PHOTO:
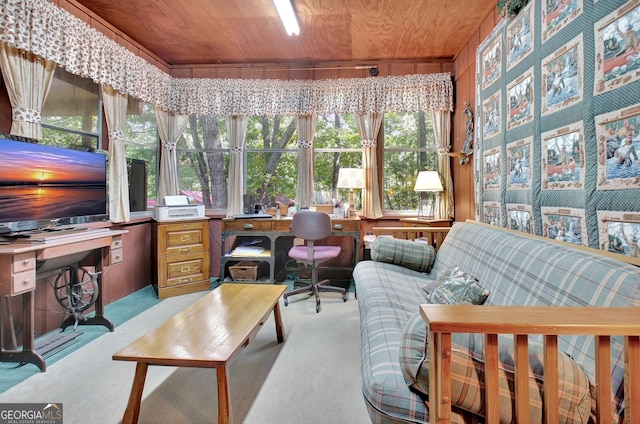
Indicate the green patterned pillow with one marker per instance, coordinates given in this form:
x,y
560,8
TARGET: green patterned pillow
x,y
456,287
406,253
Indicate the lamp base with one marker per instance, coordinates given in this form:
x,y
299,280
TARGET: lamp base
x,y
425,209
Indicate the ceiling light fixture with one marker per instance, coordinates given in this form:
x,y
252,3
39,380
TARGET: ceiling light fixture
x,y
288,16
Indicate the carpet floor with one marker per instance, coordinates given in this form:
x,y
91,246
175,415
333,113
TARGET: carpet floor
x,y
313,377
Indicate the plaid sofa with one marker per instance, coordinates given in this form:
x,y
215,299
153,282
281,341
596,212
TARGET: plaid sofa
x,y
517,270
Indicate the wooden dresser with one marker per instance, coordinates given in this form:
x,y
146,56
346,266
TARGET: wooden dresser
x,y
180,256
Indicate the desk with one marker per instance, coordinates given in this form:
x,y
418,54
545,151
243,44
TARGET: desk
x,y
20,262
275,236
423,222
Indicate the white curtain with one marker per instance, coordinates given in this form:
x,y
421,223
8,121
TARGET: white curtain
x,y
28,80
115,110
369,125
237,130
306,127
444,207
170,128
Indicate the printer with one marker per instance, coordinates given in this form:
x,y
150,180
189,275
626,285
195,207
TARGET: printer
x,y
178,207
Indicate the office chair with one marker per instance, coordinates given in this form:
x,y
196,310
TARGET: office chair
x,y
312,226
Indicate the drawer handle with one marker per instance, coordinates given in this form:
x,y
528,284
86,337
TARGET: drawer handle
x,y
117,257
247,226
26,262
185,269
26,282
185,249
185,238
185,280
117,243
338,227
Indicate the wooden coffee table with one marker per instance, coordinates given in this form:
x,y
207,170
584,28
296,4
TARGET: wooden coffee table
x,y
207,334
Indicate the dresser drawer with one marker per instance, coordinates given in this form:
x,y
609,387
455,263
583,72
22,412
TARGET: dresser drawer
x,y
183,238
183,269
23,282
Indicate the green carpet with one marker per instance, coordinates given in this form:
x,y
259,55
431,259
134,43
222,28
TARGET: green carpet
x,y
118,312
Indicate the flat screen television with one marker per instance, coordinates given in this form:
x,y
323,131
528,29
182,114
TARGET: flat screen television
x,y
44,186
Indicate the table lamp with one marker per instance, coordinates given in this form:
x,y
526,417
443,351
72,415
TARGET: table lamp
x,y
429,182
350,178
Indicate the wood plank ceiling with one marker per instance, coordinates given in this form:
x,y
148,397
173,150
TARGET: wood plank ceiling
x,y
243,32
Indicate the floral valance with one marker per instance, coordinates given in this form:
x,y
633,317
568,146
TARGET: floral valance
x,y
46,30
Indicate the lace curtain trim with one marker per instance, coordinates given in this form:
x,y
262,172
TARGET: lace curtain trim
x,y
40,27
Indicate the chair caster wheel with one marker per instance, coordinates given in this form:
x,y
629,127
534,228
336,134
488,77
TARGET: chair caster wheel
x,y
286,302
317,308
344,297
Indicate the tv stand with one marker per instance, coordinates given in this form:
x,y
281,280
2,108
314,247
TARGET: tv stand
x,y
21,261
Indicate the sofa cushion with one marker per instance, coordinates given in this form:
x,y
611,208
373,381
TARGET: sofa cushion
x,y
456,287
576,402
406,253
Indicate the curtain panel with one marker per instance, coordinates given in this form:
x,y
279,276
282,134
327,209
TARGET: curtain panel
x,y
28,80
115,111
52,33
369,127
237,130
170,128
306,127
444,205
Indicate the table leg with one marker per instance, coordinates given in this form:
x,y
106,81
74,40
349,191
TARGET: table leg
x,y
224,404
277,315
132,412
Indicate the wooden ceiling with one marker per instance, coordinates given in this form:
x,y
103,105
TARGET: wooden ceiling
x,y
212,32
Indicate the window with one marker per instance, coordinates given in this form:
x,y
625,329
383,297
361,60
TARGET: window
x,y
203,160
271,158
71,114
141,150
409,147
337,145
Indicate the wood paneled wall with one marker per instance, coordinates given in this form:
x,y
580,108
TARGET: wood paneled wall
x,y
465,92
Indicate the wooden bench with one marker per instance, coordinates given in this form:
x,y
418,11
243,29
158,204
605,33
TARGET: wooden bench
x,y
205,335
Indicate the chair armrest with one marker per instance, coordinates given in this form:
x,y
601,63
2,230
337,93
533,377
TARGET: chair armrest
x,y
521,321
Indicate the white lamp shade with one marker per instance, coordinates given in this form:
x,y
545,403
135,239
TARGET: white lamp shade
x,y
428,181
350,178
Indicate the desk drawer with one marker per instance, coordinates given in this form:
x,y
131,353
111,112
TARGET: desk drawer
x,y
23,282
116,242
116,256
347,225
263,224
24,262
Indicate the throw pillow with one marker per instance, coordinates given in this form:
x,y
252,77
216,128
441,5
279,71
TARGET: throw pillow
x,y
406,253
576,401
456,287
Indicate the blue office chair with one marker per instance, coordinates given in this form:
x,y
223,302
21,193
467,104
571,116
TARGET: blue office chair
x,y
312,226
